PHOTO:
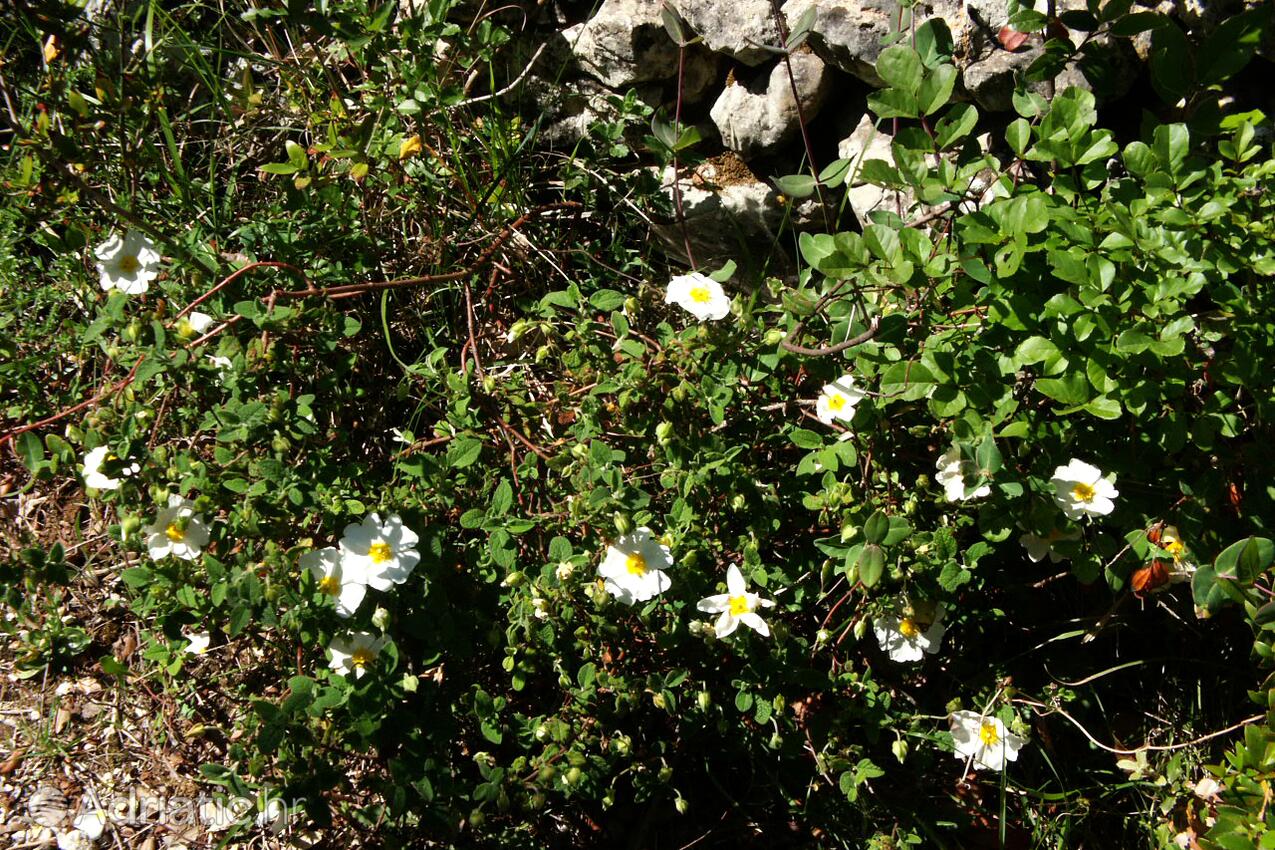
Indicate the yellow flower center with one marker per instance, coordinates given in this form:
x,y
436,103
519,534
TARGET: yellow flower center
x,y
836,402
174,532
362,657
1173,546
701,295
635,564
739,605
185,328
331,585
129,264
908,627
988,735
1083,493
380,552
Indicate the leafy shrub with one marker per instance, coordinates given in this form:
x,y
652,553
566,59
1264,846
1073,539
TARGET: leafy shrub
x,y
1062,349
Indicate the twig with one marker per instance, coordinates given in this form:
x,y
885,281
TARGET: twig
x,y
49,420
873,326
506,90
1145,747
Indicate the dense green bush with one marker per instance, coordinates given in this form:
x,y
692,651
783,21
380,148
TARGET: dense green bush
x,y
1065,348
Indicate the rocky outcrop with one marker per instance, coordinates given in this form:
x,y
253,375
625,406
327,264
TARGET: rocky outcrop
x,y
758,118
740,29
625,44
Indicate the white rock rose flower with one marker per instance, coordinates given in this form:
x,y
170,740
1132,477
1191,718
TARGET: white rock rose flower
x,y
985,740
354,652
325,565
908,638
177,531
194,324
699,295
954,473
378,554
1080,489
633,567
91,823
1038,548
197,643
736,606
838,399
91,469
128,263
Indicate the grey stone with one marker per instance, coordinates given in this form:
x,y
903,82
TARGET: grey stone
x,y
737,28
760,117
625,43
849,33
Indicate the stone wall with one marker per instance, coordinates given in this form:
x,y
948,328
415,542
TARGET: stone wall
x,y
749,101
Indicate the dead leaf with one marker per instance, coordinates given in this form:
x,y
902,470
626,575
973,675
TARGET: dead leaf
x,y
1011,39
11,763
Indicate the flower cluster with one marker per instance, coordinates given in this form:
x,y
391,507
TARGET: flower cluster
x,y
374,553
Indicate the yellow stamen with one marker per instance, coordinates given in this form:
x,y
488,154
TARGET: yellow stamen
x,y
174,532
129,264
988,735
362,657
909,628
836,402
701,295
1083,493
380,552
635,564
739,605
331,585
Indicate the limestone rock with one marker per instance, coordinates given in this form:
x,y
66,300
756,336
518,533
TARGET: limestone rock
x,y
730,215
760,117
737,28
849,33
625,43
865,143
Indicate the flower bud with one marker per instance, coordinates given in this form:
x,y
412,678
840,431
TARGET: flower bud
x,y
704,699
657,699
564,570
514,579
574,775
623,523
664,433
681,805
381,618
860,628
542,353
900,749
773,336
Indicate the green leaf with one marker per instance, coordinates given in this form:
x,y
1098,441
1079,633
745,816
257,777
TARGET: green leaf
x,y
933,42
955,125
463,451
1246,559
988,456
876,528
1171,62
893,103
296,155
900,67
1104,407
936,89
1018,136
1230,47
871,564
607,300
796,185
805,439
31,450
1071,389
278,168
1131,25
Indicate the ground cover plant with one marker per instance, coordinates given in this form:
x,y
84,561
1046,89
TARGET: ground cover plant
x,y
451,513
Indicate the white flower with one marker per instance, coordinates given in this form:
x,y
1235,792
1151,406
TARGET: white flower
x,y
91,823
1038,548
736,606
837,400
1207,788
378,554
539,608
274,816
564,571
72,839
908,638
954,472
634,567
1081,490
699,295
983,739
92,469
197,643
177,531
128,263
325,565
352,654
193,324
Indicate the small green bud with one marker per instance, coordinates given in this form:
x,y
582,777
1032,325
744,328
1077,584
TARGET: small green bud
x,y
681,805
664,433
630,305
657,699
574,775
514,579
900,749
860,627
580,451
773,336
666,773
381,618
409,683
704,699
623,523
547,773
542,353
738,502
